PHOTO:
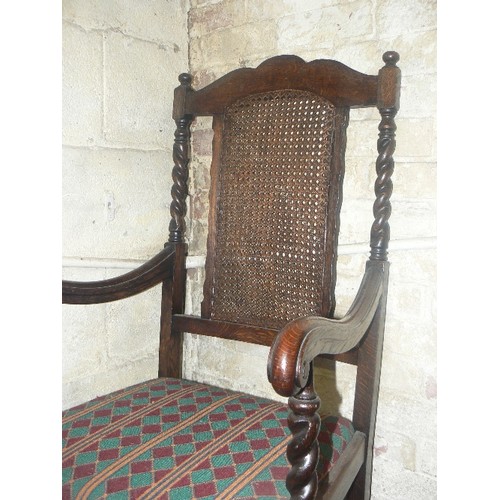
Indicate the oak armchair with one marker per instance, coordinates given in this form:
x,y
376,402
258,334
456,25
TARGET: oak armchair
x,y
276,191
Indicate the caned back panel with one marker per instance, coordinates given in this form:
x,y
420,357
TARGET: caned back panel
x,y
277,197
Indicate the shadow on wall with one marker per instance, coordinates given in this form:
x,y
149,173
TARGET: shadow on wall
x,y
325,383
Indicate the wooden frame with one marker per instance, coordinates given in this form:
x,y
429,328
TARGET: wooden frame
x,y
356,338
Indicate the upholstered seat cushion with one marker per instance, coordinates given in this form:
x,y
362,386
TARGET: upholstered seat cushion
x,y
176,439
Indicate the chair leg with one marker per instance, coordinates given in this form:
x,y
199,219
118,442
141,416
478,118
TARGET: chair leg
x,y
303,450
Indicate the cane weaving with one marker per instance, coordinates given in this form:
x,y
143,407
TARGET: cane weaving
x,y
179,440
272,201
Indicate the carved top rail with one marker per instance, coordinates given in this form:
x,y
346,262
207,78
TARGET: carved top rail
x,y
332,80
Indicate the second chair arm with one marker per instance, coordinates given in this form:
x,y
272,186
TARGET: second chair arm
x,y
157,269
301,340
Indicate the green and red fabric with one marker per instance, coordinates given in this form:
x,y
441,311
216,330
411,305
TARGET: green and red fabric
x,y
179,440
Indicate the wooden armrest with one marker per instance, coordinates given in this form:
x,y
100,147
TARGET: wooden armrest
x,y
154,271
301,340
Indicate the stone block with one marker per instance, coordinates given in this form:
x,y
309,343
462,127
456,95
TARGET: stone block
x,y
231,48
140,78
355,220
320,28
416,138
199,174
412,416
143,19
415,337
415,267
418,96
415,180
197,238
427,457
391,480
82,94
106,381
202,142
83,332
194,290
409,301
82,274
403,16
413,219
215,16
362,139
199,204
83,341
396,447
133,327
346,290
404,374
417,50
116,203
229,364
78,391
359,177
129,373
201,3
258,10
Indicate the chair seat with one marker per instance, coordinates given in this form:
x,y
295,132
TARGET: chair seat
x,y
179,440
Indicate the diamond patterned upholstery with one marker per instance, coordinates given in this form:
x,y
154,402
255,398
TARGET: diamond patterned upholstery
x,y
176,439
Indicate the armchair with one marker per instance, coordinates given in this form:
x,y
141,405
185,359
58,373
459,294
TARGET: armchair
x,y
276,192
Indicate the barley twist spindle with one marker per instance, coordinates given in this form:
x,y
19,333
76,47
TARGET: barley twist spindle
x,y
303,450
180,173
388,107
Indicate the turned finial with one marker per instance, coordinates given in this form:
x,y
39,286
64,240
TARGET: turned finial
x,y
390,58
185,79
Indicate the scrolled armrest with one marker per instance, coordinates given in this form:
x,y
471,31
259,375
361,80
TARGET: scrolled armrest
x,y
301,340
157,269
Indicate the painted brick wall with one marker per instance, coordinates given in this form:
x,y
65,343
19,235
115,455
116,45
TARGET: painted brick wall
x,y
121,59
227,34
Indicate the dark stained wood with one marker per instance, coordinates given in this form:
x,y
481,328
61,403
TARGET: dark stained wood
x,y
173,296
332,80
151,273
303,450
366,392
335,203
217,126
302,340
388,105
389,82
224,329
168,362
180,174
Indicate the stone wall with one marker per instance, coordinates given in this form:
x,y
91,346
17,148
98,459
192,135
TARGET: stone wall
x,y
120,64
227,34
121,59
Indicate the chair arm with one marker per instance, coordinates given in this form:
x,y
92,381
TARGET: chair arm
x,y
154,271
301,340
